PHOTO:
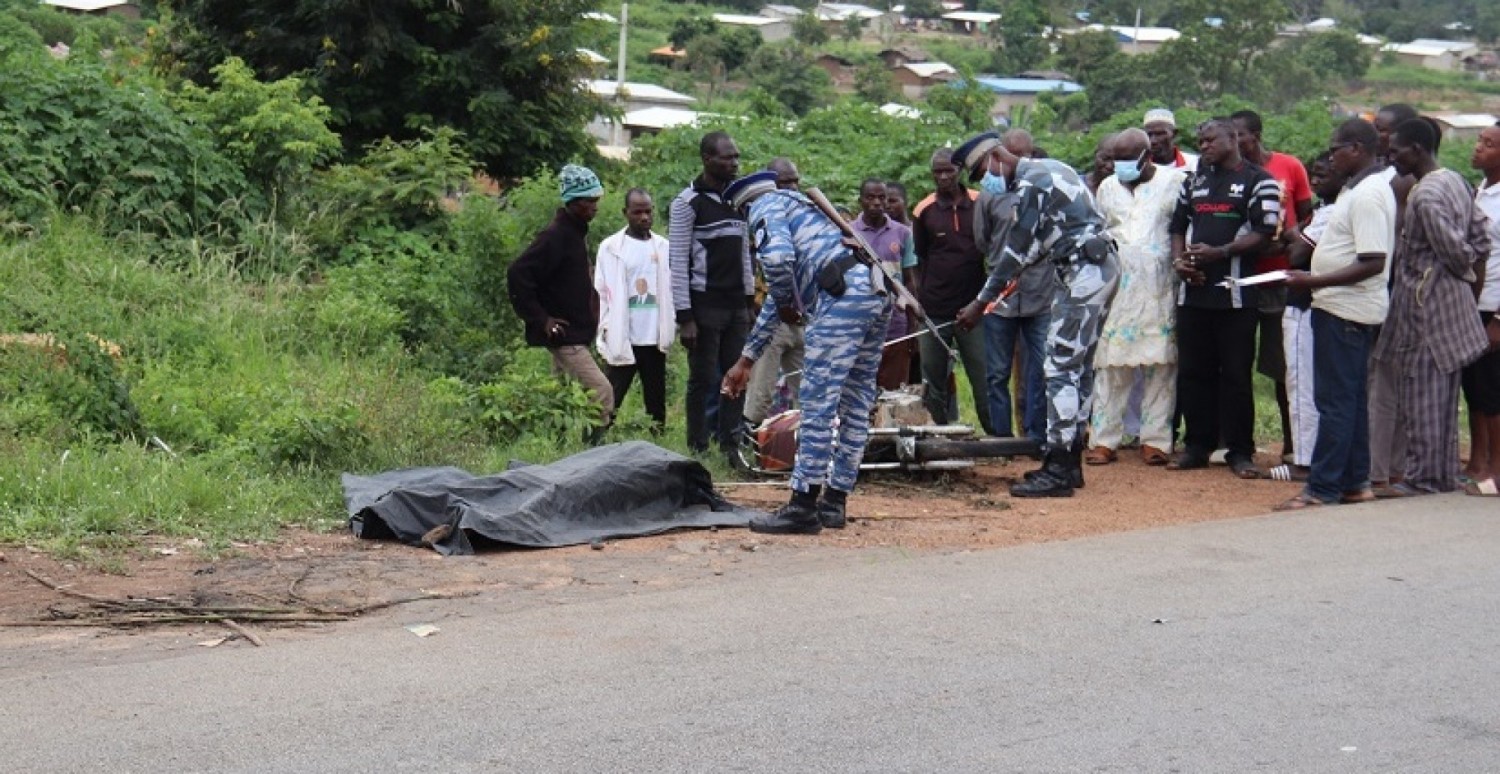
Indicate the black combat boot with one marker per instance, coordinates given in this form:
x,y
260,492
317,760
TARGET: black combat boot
x,y
1077,479
831,509
1055,479
798,517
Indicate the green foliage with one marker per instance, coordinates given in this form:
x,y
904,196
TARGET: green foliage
x,y
965,99
875,84
274,132
684,30
1020,34
504,74
788,73
74,134
807,30
294,434
924,9
394,186
529,400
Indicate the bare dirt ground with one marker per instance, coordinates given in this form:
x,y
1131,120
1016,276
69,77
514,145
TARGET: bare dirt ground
x,y
893,517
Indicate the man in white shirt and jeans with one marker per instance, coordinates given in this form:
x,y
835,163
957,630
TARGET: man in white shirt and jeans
x,y
1348,281
1481,379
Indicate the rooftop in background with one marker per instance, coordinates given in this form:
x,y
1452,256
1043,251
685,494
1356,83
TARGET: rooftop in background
x,y
662,118
87,6
1026,85
741,20
1128,34
775,9
842,11
978,17
1478,121
930,69
1416,49
1460,47
592,57
648,92
601,16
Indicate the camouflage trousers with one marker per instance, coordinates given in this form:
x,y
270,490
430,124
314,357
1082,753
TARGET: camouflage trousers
x,y
1078,311
843,341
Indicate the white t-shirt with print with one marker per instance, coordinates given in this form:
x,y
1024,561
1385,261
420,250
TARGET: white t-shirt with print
x,y
640,291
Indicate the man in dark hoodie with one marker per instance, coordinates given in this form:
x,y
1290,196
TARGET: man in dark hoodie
x,y
552,288
712,287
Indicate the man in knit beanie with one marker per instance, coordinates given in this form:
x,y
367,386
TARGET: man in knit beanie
x,y
552,289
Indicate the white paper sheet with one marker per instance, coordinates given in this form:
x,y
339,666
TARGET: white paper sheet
x,y
1257,279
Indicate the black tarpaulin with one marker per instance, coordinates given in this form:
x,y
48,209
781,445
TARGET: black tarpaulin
x,y
620,490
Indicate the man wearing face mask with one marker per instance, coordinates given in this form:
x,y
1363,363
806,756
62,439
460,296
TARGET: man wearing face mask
x,y
1024,317
1138,338
1056,221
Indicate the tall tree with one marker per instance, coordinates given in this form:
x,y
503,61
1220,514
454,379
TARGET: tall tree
x,y
1021,37
505,74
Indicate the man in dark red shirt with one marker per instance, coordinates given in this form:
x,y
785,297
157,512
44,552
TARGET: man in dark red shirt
x,y
949,274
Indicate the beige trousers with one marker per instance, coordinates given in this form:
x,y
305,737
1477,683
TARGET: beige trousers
x,y
578,362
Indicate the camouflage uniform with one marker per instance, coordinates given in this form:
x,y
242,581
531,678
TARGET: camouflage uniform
x,y
1055,218
844,334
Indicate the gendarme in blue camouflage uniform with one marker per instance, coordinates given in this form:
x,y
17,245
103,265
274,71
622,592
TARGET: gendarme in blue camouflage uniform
x,y
1055,220
802,253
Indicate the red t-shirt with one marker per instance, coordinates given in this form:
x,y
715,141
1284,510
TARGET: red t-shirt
x,y
1295,189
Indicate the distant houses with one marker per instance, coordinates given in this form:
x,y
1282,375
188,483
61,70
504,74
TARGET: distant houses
x,y
771,29
970,22
1137,40
1463,126
918,78
1012,93
646,108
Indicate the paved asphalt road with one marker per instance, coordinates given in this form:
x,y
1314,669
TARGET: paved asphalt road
x,y
1358,639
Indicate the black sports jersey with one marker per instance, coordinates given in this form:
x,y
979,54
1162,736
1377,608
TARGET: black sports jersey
x,y
1216,207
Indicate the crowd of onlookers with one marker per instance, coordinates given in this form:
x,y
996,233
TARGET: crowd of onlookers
x,y
1363,283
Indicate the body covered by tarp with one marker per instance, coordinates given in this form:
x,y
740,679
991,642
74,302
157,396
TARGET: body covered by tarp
x,y
620,490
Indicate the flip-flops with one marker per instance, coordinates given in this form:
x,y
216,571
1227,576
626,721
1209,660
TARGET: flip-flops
x,y
1358,496
1154,456
1299,502
1484,487
1287,473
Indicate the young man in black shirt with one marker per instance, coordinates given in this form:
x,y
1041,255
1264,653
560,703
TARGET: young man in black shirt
x,y
712,287
1226,214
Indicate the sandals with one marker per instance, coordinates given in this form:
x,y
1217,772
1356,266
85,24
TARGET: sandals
x,y
1246,469
1288,473
1154,456
1299,502
1484,487
1358,496
1100,455
1188,461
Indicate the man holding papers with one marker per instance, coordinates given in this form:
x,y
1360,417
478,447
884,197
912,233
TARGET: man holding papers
x,y
1348,282
1227,212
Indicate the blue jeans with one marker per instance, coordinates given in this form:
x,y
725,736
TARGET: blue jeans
x,y
1341,359
999,345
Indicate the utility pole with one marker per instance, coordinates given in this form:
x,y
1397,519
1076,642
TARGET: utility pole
x,y
618,134
1135,45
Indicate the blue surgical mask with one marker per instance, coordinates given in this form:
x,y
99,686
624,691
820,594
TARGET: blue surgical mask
x,y
1128,171
992,183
